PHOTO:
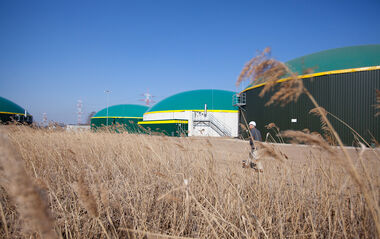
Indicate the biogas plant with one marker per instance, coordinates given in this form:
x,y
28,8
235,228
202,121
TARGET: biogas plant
x,y
192,113
344,82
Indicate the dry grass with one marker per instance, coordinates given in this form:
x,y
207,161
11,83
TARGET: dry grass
x,y
327,133
269,72
28,198
99,185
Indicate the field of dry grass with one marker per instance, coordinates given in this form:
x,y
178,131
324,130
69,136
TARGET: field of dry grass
x,y
58,184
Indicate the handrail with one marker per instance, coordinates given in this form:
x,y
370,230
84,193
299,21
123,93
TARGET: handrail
x,y
214,123
226,130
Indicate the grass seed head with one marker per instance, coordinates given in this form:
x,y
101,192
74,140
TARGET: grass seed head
x,y
86,197
327,133
311,139
267,150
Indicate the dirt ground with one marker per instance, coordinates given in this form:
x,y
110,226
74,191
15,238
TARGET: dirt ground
x,y
228,149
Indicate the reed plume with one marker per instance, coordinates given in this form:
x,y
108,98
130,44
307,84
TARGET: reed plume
x,y
327,133
271,126
311,139
86,197
255,67
268,150
263,69
289,91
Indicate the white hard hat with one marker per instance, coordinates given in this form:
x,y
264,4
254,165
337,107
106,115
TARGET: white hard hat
x,y
252,123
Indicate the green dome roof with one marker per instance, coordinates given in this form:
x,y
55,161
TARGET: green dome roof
x,y
337,59
122,111
7,106
340,59
196,100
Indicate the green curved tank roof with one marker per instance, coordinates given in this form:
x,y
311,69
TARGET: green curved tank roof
x,y
7,106
196,100
337,59
124,110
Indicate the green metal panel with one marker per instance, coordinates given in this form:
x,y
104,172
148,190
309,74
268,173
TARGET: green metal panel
x,y
336,59
349,96
124,110
196,100
169,129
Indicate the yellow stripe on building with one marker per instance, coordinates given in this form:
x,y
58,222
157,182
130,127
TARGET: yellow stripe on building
x,y
164,122
115,117
12,113
370,68
174,111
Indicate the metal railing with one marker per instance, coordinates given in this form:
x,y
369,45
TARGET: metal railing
x,y
181,130
239,99
200,118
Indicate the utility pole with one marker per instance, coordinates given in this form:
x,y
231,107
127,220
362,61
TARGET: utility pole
x,y
107,93
79,112
44,119
148,98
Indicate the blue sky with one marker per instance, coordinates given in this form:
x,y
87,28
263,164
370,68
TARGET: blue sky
x,y
53,53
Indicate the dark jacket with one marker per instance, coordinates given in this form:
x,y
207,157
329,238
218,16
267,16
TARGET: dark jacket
x,y
256,135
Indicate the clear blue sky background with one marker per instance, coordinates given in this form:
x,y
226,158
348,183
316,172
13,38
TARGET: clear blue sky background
x,y
53,53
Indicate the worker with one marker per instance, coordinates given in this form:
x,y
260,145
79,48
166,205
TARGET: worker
x,y
255,135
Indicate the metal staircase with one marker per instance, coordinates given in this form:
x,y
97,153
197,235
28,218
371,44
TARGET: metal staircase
x,y
204,119
181,130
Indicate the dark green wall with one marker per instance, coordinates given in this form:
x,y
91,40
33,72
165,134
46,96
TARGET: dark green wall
x,y
349,96
118,124
6,118
170,129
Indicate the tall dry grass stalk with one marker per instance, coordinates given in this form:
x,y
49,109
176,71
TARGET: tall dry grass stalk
x,y
327,133
310,139
267,150
351,169
32,207
265,70
276,129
